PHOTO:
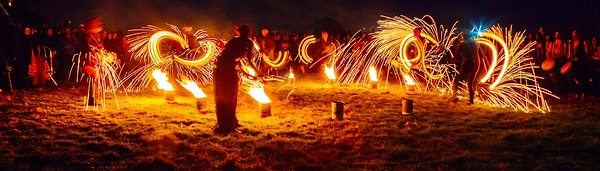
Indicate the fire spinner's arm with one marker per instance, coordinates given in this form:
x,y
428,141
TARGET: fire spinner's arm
x,y
245,64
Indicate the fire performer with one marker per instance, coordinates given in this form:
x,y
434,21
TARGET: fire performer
x,y
93,27
469,65
226,79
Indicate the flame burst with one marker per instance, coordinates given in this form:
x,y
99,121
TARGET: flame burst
x,y
162,80
169,51
330,72
193,88
255,89
373,74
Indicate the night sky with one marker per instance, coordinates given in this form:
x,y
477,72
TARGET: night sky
x,y
219,16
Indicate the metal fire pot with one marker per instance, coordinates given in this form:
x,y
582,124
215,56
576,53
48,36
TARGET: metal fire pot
x,y
200,103
407,107
265,109
169,95
337,110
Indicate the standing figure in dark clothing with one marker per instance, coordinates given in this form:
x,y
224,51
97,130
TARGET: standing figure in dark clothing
x,y
93,43
579,76
467,53
267,45
226,79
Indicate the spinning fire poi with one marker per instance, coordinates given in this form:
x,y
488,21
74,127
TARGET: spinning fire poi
x,y
100,65
183,55
398,50
320,52
509,79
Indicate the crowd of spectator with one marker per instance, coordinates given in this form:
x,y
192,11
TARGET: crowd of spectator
x,y
22,43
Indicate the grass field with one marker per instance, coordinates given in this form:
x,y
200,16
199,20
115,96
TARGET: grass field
x,y
50,130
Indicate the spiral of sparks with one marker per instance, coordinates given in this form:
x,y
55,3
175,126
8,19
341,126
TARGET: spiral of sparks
x,y
388,49
304,51
509,79
107,79
280,61
150,46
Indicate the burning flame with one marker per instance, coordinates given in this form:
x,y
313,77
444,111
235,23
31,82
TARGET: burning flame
x,y
373,74
291,75
193,88
409,80
251,71
330,72
259,95
162,80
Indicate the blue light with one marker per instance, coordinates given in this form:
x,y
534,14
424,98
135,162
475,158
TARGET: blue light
x,y
479,28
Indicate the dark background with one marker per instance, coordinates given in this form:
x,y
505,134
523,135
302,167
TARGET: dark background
x,y
218,16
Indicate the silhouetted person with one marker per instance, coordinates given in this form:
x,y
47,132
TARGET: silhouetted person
x,y
226,79
580,72
93,43
267,46
324,51
467,54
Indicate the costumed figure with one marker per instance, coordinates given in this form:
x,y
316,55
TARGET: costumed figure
x,y
227,81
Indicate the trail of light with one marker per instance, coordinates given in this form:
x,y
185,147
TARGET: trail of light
x,y
282,59
193,63
515,84
511,82
491,68
154,44
303,49
390,49
506,58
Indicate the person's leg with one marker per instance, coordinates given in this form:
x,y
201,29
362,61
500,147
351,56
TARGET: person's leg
x,y
226,101
471,86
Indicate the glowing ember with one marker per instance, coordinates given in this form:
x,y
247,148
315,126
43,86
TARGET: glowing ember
x,y
259,95
162,80
291,75
373,74
330,72
193,88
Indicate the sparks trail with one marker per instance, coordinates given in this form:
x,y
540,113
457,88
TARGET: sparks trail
x,y
181,54
509,79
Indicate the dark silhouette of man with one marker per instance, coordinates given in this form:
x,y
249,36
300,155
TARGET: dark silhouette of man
x,y
226,79
267,46
468,56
